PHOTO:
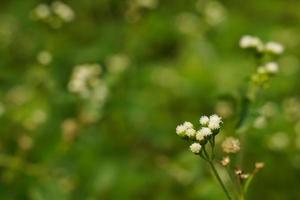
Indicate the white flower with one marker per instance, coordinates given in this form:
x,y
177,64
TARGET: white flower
x,y
231,145
271,67
214,122
204,120
188,125
180,130
42,11
190,132
83,79
274,48
63,11
199,136
195,148
248,41
205,131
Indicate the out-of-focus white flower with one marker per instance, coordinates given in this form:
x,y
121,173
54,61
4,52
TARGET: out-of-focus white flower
x,y
195,148
62,10
190,132
214,122
231,145
83,77
204,120
214,12
248,41
279,141
274,47
42,11
271,67
151,4
44,57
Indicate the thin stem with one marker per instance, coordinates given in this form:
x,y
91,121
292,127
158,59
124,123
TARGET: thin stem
x,y
219,179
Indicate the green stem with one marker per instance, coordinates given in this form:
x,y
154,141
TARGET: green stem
x,y
219,180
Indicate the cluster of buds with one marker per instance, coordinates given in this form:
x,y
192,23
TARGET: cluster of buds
x,y
266,54
55,14
240,174
87,84
254,43
210,127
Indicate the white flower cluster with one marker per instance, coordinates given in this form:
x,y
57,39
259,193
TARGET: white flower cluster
x,y
252,42
86,83
266,54
268,68
231,145
63,11
210,127
54,14
93,91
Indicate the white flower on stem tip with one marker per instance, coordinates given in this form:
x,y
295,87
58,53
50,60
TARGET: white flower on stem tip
x,y
271,67
42,11
188,125
248,41
274,47
190,132
214,122
195,147
62,10
199,136
204,120
205,131
231,145
180,130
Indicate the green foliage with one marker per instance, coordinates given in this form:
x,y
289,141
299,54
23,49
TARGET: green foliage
x,y
184,61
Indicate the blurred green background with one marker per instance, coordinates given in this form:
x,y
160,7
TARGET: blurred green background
x,y
163,62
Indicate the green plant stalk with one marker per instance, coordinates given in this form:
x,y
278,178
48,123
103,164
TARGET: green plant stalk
x,y
215,172
219,179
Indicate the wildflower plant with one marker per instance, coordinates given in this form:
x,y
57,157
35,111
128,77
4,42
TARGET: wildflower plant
x,y
202,139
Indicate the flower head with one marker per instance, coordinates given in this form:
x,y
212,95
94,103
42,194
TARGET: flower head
x,y
205,131
271,67
180,130
214,122
231,145
199,136
204,120
248,41
195,148
225,161
190,132
274,48
188,125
